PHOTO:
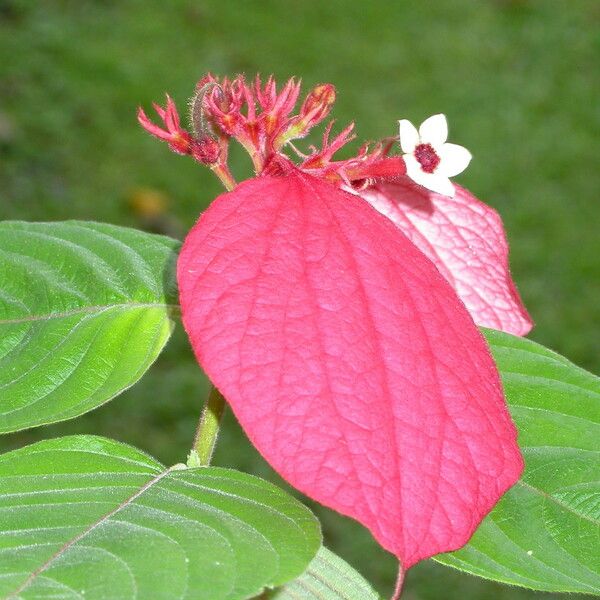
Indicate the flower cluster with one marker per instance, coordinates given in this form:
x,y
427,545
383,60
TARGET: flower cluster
x,y
262,119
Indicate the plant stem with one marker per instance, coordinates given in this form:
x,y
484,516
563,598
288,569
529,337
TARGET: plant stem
x,y
207,431
224,174
255,155
399,583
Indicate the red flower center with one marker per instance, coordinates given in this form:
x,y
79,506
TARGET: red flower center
x,y
427,157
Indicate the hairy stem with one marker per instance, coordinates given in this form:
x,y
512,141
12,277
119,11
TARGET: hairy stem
x,y
254,153
399,583
222,171
208,430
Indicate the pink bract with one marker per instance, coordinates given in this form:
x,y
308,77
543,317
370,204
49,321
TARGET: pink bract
x,y
349,361
346,355
465,239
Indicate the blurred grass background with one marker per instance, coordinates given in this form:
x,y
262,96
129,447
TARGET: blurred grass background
x,y
517,79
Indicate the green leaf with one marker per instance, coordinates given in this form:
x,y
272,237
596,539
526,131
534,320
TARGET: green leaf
x,y
84,311
545,532
88,517
328,577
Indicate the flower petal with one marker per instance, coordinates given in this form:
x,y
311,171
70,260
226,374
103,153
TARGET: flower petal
x,y
454,159
466,241
434,130
435,182
409,136
349,361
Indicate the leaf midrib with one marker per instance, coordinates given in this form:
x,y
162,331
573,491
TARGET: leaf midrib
x,y
67,545
172,309
558,502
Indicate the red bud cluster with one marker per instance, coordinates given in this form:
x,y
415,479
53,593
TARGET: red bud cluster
x,y
260,117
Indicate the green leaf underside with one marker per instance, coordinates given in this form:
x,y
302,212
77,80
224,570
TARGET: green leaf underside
x,y
328,577
84,311
545,532
87,517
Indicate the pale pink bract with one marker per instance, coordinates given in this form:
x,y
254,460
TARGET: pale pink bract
x,y
466,241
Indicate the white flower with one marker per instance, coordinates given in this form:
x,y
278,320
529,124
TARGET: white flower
x,y
430,161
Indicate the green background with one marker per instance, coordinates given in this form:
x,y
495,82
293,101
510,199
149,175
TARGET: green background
x,y
518,81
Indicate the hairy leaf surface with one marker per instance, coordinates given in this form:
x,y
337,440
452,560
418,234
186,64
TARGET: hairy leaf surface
x,y
84,311
88,517
328,577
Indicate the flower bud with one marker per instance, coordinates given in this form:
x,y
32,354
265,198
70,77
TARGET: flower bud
x,y
315,108
205,150
317,105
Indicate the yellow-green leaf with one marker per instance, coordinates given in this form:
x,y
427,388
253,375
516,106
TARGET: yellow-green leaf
x,y
84,311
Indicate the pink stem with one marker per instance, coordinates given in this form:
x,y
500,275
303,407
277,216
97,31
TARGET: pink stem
x,y
399,583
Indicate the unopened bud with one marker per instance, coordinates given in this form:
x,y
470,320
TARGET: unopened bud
x,y
317,105
206,150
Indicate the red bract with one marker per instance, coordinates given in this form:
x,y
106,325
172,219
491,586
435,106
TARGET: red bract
x,y
349,361
465,240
